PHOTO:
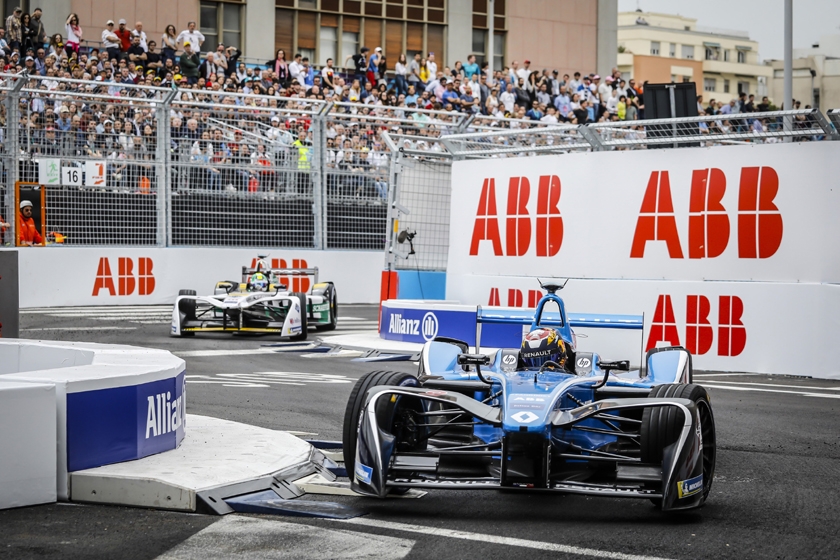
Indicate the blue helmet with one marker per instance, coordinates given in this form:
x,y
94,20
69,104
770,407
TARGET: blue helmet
x,y
541,345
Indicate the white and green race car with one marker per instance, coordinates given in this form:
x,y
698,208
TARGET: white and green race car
x,y
259,304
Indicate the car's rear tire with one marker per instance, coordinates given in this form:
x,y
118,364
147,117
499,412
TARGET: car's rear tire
x,y
304,317
357,401
332,298
187,308
662,426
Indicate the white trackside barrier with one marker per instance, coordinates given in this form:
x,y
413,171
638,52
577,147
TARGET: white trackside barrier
x,y
27,444
67,276
111,403
729,251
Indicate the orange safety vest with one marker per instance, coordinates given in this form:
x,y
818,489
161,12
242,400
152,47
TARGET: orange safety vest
x,y
27,232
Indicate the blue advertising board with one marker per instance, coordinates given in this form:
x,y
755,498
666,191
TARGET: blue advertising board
x,y
408,324
500,328
124,423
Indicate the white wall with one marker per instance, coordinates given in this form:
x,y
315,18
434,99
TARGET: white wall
x,y
788,299
65,276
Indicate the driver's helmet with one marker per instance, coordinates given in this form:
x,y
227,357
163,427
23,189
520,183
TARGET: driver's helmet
x,y
258,282
541,345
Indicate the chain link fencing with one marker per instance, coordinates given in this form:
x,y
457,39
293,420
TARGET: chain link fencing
x,y
93,149
7,197
135,165
242,171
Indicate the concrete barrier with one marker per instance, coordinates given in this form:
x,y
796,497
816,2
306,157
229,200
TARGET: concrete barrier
x,y
112,403
27,443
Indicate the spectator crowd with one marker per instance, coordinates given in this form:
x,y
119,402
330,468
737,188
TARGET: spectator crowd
x,y
254,119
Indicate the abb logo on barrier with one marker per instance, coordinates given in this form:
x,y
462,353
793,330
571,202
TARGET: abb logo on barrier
x,y
759,220
144,282
548,226
298,283
515,298
699,332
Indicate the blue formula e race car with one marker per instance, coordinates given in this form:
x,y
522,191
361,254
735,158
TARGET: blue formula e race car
x,y
541,417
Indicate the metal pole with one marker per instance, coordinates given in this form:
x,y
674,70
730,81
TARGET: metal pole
x,y
788,64
13,151
317,162
490,52
164,171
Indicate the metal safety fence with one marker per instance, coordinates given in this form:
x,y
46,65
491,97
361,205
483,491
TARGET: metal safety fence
x,y
119,164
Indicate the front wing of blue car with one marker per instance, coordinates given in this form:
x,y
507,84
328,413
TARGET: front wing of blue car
x,y
380,466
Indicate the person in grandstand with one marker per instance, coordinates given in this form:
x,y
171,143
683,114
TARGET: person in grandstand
x,y
3,227
27,233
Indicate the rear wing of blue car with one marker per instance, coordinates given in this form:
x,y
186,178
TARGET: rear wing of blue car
x,y
559,320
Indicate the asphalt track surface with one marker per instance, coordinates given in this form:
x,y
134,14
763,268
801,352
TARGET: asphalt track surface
x,y
775,493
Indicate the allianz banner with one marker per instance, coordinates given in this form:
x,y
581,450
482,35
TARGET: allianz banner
x,y
752,213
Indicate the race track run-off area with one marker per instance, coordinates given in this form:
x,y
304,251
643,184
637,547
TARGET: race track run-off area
x,y
774,493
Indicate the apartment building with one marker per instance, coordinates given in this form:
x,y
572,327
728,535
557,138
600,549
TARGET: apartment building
x,y
816,75
573,35
661,48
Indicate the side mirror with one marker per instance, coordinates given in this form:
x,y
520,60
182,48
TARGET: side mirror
x,y
607,367
476,360
622,365
473,360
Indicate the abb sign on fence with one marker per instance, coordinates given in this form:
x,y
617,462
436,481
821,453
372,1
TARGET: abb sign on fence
x,y
764,327
146,276
754,212
727,250
295,283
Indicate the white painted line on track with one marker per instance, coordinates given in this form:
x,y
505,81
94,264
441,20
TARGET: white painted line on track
x,y
804,394
236,536
782,386
80,329
229,352
96,309
267,378
726,374
494,539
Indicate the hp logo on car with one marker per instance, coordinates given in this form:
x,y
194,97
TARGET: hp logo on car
x,y
430,326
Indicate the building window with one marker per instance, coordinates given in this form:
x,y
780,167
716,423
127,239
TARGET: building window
x,y
220,22
672,50
349,44
726,55
498,51
329,42
742,57
479,47
654,48
709,84
688,51
743,87
712,53
308,27
725,86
